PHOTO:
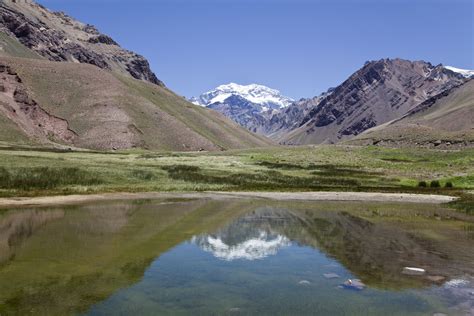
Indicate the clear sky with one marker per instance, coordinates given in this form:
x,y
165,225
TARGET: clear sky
x,y
300,47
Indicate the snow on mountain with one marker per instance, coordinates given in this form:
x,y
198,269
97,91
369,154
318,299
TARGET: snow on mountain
x,y
466,73
263,96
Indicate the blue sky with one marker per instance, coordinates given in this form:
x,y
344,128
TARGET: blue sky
x,y
300,47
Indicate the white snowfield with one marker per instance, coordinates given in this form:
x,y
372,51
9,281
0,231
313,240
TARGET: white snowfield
x,y
466,73
254,93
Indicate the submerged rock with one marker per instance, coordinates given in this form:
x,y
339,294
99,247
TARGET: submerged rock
x,y
331,275
354,284
304,282
435,278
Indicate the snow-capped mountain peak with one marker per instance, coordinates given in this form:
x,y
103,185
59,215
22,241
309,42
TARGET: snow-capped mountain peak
x,y
466,73
257,94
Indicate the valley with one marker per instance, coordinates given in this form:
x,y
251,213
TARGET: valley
x,y
73,98
201,189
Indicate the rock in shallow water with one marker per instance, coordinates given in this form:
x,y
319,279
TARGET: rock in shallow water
x,y
304,282
331,275
354,284
436,278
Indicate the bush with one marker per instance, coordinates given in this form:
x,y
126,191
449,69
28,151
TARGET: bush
x,y
449,185
435,184
45,178
422,184
269,179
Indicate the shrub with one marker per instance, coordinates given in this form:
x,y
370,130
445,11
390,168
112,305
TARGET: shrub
x,y
449,185
268,179
45,178
422,184
435,184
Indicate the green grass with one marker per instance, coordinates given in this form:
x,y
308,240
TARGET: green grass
x,y
30,172
11,133
45,178
12,47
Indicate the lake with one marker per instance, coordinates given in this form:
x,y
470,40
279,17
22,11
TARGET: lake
x,y
236,257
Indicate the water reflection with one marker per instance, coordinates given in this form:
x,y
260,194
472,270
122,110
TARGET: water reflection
x,y
17,227
250,237
258,247
207,256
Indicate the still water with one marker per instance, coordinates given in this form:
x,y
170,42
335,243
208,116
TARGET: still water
x,y
236,257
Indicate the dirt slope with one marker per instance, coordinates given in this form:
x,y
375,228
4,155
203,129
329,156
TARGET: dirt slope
x,y
84,106
446,120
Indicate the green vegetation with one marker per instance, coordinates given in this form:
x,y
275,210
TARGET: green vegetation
x,y
422,184
31,172
45,178
12,47
435,184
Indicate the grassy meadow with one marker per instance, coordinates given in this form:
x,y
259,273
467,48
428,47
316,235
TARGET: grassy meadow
x,y
34,172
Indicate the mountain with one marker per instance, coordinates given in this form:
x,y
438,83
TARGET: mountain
x,y
281,122
444,121
379,92
464,72
73,102
248,105
58,37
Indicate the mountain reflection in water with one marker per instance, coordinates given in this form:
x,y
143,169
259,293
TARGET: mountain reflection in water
x,y
205,256
258,247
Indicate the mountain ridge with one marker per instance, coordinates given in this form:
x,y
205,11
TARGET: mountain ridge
x,y
105,110
248,105
50,97
378,92
58,37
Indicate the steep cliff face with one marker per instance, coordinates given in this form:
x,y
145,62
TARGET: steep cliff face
x,y
379,92
58,37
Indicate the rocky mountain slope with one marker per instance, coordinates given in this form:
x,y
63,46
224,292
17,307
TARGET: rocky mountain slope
x,y
58,37
379,92
248,105
79,105
445,121
91,95
281,122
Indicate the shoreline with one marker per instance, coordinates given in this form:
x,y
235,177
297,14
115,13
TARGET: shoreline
x,y
215,195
